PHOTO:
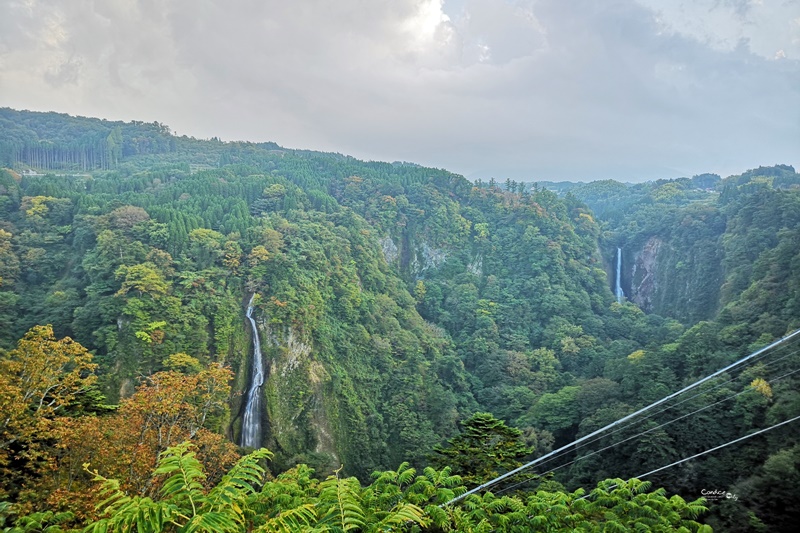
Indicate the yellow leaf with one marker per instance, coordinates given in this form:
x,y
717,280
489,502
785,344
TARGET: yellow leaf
x,y
762,387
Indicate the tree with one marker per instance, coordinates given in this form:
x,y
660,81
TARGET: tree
x,y
49,374
557,412
126,217
39,379
206,246
485,449
143,278
9,263
168,408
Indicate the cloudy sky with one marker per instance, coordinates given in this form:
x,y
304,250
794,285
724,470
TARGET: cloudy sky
x,y
528,89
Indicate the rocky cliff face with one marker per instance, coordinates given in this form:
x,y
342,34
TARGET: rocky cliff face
x,y
425,258
644,275
390,251
297,418
674,280
414,258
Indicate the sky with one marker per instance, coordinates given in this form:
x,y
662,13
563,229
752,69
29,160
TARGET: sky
x,y
530,89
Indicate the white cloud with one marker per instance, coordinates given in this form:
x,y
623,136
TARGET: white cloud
x,y
536,88
764,27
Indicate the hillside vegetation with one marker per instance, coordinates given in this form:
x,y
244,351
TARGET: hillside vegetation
x,y
393,302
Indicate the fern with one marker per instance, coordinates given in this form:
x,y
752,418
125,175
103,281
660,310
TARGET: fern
x,y
40,522
234,487
297,519
185,475
403,514
184,506
340,496
211,522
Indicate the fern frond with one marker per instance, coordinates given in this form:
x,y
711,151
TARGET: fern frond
x,y
437,515
185,475
406,474
297,519
404,513
696,508
239,482
142,515
211,522
341,495
109,488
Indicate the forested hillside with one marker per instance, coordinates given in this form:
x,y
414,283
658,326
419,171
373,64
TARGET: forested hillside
x,y
393,302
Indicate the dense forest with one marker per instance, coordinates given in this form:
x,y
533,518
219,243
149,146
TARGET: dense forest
x,y
421,334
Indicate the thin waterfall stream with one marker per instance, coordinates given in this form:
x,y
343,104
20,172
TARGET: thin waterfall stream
x,y
618,288
251,419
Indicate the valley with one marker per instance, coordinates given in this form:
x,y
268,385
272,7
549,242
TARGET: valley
x,y
356,317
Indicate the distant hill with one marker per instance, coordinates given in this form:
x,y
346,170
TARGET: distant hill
x,y
393,301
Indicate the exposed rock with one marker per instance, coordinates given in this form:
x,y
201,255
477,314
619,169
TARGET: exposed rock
x,y
644,274
390,251
297,352
126,388
295,390
427,258
476,265
674,281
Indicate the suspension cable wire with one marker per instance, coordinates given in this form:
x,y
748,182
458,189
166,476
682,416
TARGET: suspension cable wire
x,y
672,406
614,445
675,463
626,426
623,419
706,391
581,458
759,432
669,407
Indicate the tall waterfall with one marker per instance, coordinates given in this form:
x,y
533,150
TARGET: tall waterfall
x,y
251,420
618,288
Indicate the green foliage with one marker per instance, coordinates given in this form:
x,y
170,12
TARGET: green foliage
x,y
184,506
396,500
557,411
484,449
39,522
394,300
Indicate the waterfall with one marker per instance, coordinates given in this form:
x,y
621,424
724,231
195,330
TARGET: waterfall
x,y
251,419
618,288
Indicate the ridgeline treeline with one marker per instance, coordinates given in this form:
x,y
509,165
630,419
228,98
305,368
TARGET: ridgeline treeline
x,y
398,307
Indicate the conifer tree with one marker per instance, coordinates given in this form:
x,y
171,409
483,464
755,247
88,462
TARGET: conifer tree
x,y
486,448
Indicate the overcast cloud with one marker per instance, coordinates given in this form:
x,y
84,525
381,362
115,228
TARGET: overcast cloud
x,y
536,89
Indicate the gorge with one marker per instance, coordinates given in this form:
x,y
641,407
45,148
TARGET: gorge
x,y
394,301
